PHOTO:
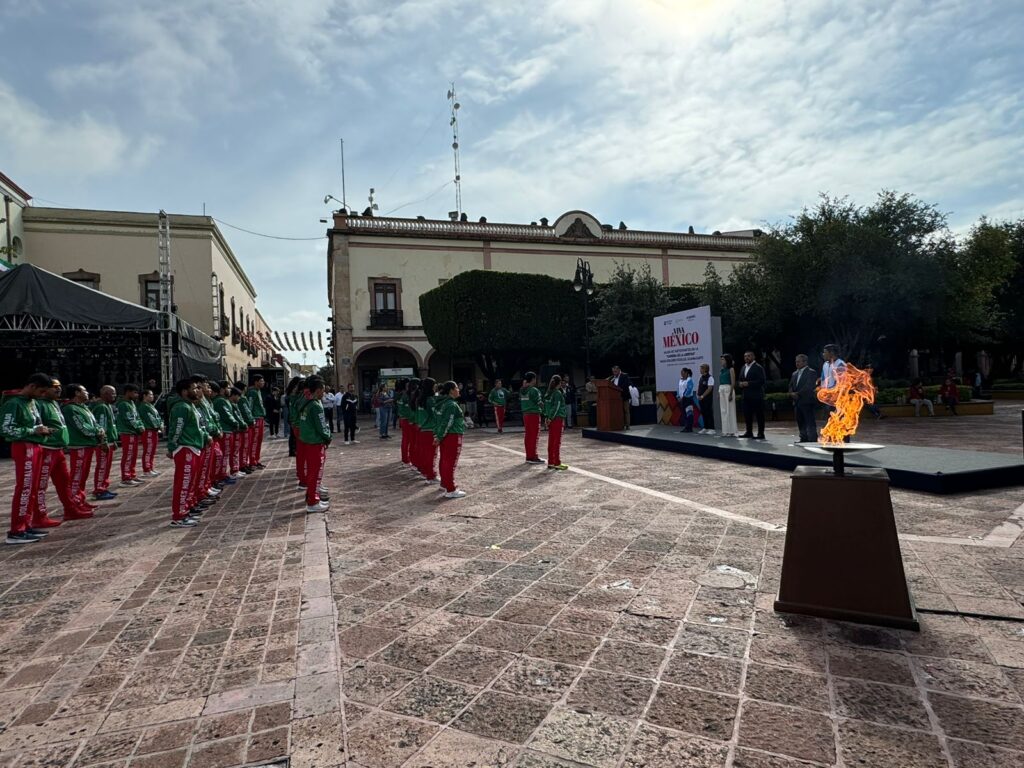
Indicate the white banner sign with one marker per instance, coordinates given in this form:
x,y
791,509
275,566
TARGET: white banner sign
x,y
681,340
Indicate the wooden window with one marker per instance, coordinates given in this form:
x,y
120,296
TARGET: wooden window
x,y
80,276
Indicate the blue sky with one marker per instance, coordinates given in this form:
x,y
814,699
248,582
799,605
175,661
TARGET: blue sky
x,y
662,114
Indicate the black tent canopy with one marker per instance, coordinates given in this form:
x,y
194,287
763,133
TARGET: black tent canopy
x,y
47,318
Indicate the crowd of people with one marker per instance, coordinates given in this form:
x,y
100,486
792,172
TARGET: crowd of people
x,y
214,434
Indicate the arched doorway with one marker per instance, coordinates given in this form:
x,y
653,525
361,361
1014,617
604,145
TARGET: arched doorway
x,y
370,361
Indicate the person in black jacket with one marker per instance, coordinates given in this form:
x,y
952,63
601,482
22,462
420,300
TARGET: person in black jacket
x,y
752,380
272,404
802,389
621,382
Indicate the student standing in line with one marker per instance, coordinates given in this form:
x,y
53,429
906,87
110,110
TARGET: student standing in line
x,y
186,439
154,425
22,426
295,402
449,427
554,412
498,397
103,410
532,403
259,414
211,486
84,435
239,428
402,409
54,464
314,437
130,428
245,409
425,420
226,469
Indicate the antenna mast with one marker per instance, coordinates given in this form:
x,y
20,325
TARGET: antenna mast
x,y
455,149
344,200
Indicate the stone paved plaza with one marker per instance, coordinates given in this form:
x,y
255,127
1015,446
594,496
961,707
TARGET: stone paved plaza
x,y
617,615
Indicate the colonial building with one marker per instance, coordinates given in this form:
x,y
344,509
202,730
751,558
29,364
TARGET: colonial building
x,y
377,268
116,252
12,232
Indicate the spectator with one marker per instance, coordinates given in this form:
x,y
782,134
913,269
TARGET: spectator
x,y
330,403
383,401
569,388
349,408
705,396
950,395
976,389
469,397
916,397
273,407
481,410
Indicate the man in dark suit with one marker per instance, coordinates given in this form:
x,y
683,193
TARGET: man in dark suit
x,y
751,383
621,382
802,390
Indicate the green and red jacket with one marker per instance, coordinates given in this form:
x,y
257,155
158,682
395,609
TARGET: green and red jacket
x,y
83,431
245,411
240,425
150,416
105,419
19,418
254,396
554,406
313,429
531,400
184,429
128,420
498,397
210,419
425,416
448,419
49,411
226,414
402,403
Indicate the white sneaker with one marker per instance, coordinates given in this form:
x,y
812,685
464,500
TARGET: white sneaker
x,y
354,442
456,494
238,475
430,481
323,506
213,492
151,473
348,442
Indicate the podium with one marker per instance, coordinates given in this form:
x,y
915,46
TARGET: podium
x,y
609,407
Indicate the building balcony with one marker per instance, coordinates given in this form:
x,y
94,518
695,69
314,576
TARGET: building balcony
x,y
386,318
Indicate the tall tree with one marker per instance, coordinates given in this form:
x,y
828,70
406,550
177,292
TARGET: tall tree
x,y
623,328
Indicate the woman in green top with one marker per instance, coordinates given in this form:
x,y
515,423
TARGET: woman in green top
x,y
423,409
151,435
449,426
554,412
498,397
726,387
532,403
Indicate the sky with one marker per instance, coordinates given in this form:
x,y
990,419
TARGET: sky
x,y
716,114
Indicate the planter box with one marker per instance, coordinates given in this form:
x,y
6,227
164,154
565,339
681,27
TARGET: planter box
x,y
971,408
1007,394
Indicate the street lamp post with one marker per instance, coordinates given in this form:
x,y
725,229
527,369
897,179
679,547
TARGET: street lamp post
x,y
584,281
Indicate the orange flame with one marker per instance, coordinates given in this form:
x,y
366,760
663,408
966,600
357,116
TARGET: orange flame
x,y
852,390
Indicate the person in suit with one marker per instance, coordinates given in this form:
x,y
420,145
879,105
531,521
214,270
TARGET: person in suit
x,y
621,382
751,384
802,390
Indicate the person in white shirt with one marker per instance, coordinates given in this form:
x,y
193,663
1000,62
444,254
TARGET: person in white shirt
x,y
832,365
329,403
684,396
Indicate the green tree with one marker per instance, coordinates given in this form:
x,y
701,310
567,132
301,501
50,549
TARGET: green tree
x,y
623,328
504,321
1009,297
326,372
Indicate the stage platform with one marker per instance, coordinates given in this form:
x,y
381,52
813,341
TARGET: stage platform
x,y
933,470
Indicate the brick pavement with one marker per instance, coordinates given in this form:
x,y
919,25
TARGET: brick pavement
x,y
547,620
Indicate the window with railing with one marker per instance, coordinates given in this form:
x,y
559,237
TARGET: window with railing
x,y
386,310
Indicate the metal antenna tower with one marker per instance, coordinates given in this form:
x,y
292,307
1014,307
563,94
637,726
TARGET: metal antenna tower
x,y
455,149
166,329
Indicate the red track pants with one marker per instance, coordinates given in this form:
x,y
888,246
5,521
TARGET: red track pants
x,y
244,439
451,447
81,459
205,471
187,465
531,421
150,440
314,459
129,456
221,470
300,458
427,454
104,461
499,416
53,465
231,452
28,460
404,426
256,442
555,427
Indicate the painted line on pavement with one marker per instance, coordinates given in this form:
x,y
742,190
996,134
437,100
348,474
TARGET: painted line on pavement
x,y
694,505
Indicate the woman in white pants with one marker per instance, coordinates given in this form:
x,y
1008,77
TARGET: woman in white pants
x,y
726,399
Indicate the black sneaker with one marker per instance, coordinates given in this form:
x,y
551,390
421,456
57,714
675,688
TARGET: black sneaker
x,y
21,538
535,461
260,466
195,512
39,533
247,470
185,522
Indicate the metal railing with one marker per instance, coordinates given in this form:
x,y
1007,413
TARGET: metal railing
x,y
386,318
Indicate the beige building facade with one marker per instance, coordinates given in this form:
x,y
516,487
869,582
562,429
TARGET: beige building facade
x,y
116,252
12,228
379,267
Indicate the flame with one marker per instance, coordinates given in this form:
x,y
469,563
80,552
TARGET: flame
x,y
852,390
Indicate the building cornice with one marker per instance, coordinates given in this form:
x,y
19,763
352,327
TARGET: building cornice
x,y
530,233
144,223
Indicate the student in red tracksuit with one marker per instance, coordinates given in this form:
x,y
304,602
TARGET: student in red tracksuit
x,y
55,464
22,426
84,437
151,435
103,410
449,426
402,407
532,404
554,412
186,439
498,397
314,437
130,427
426,451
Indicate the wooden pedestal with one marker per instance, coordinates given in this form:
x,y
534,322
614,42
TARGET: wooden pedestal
x,y
842,558
609,407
